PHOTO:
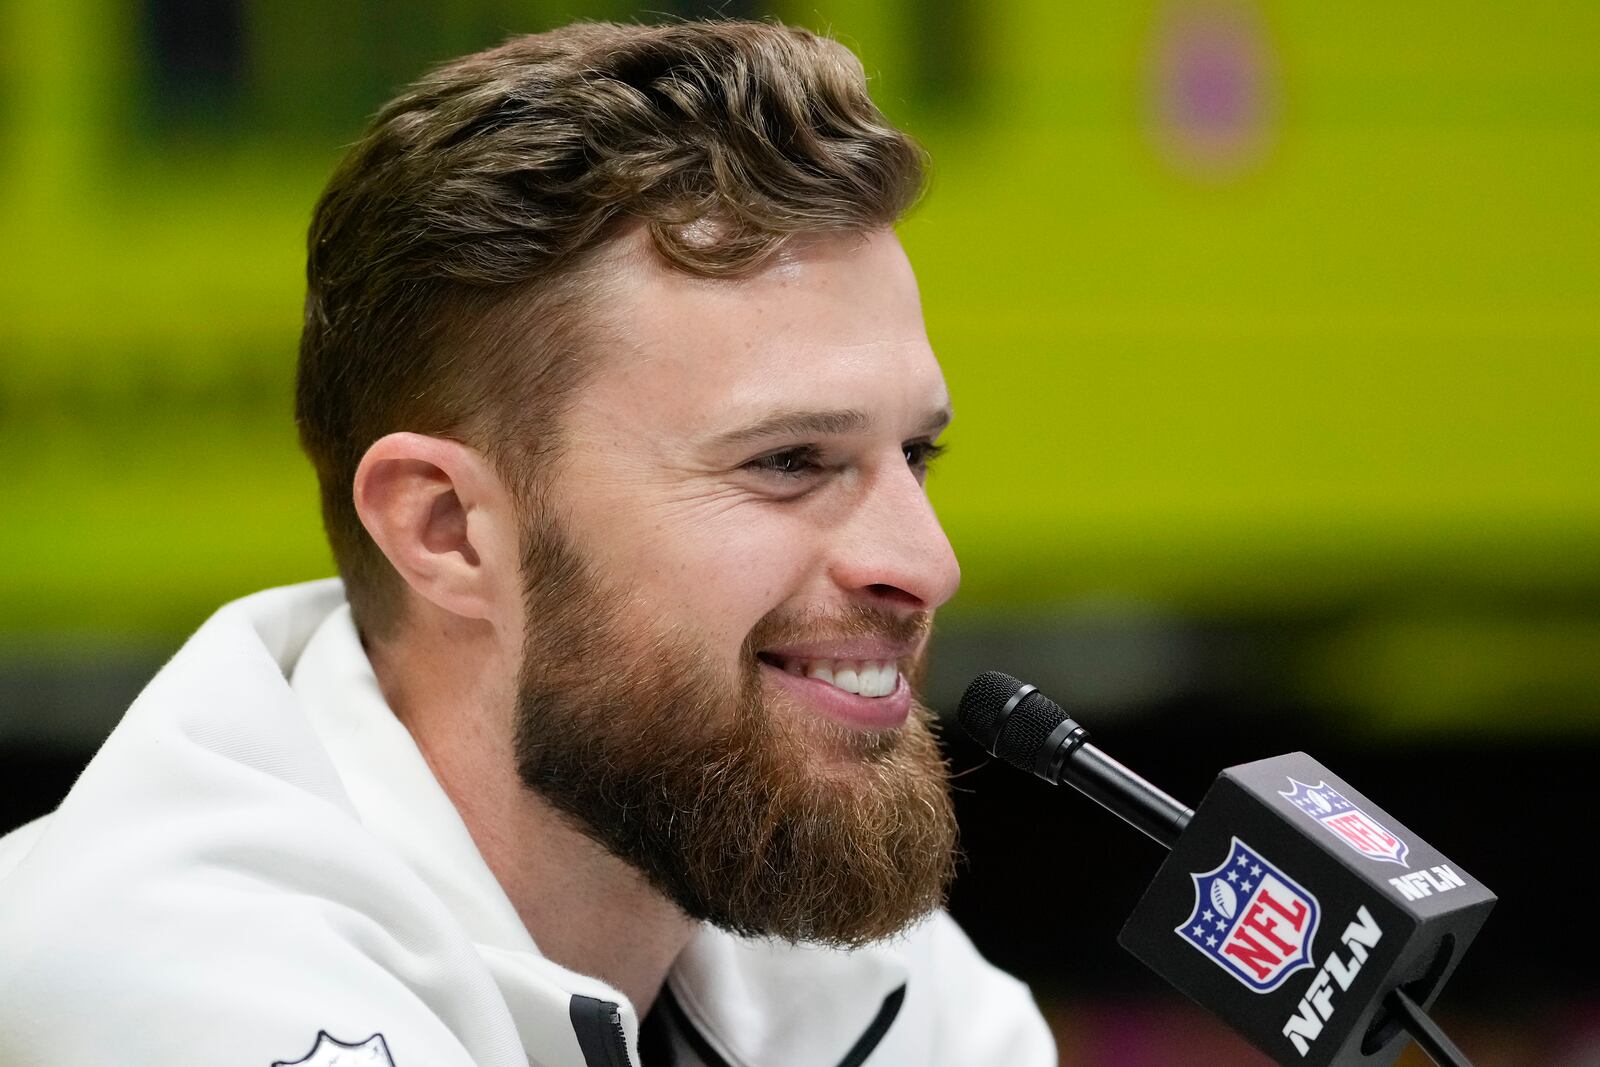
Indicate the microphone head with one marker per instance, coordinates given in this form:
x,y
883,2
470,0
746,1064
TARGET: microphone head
x,y
1013,729
982,701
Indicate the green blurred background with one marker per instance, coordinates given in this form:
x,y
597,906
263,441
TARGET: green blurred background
x,y
1323,345
1272,328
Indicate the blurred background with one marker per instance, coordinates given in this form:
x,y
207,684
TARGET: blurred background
x,y
1274,334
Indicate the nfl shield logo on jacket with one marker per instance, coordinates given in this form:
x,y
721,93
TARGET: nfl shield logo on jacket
x,y
331,1052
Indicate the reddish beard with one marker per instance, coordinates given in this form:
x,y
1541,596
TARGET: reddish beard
x,y
746,812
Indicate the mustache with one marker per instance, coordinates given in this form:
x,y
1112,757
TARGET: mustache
x,y
855,621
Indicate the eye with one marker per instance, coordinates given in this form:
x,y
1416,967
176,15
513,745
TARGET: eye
x,y
790,463
921,454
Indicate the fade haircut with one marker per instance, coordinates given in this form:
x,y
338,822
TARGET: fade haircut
x,y
446,293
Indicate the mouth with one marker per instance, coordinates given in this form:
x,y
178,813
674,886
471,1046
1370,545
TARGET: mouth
x,y
861,694
872,679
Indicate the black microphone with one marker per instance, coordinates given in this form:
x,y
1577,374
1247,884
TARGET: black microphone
x,y
1313,922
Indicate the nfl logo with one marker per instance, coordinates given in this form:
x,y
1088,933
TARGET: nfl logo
x,y
1347,822
1252,920
329,1051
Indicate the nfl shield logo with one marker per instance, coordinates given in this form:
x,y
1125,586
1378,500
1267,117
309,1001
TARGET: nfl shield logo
x,y
1347,822
331,1052
1252,920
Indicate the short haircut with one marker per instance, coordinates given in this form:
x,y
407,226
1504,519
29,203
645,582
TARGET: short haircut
x,y
445,291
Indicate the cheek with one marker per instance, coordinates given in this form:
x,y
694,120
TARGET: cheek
x,y
730,573
751,566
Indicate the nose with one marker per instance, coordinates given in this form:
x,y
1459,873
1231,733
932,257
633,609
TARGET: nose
x,y
894,553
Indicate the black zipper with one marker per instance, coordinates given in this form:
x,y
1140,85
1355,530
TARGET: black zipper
x,y
598,1026
875,1030
869,1040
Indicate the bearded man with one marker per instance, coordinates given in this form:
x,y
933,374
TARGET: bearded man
x,y
604,750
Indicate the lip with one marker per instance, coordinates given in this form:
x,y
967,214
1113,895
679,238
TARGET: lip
x,y
848,709
878,650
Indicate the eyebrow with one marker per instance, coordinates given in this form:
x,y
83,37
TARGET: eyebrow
x,y
817,424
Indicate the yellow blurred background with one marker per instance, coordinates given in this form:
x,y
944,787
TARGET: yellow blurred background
x,y
1248,309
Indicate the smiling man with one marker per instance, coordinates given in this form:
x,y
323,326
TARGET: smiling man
x,y
606,749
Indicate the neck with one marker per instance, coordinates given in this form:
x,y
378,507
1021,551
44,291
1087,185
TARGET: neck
x,y
585,909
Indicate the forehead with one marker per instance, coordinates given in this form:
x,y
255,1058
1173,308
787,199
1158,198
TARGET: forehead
x,y
830,322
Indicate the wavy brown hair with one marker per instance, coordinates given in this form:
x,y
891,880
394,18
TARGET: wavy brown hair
x,y
446,291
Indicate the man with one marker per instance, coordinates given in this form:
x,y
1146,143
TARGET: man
x,y
605,749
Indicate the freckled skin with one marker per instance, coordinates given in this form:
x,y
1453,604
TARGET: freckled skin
x,y
697,536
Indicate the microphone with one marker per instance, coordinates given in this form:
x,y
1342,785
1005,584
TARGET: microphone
x,y
1313,922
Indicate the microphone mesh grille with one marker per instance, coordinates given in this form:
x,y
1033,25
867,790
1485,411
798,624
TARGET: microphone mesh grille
x,y
983,700
1026,728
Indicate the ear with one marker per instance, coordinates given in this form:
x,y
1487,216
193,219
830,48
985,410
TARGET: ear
x,y
446,522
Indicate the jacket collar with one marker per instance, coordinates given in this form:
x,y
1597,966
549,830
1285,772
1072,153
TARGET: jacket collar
x,y
781,1005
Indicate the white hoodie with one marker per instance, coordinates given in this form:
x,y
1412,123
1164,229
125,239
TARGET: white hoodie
x,y
258,868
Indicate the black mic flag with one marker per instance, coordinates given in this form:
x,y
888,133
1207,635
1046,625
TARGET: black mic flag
x,y
1291,905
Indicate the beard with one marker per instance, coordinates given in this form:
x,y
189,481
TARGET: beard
x,y
747,811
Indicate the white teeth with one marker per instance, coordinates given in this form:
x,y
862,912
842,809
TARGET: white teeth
x,y
882,682
889,680
847,676
868,678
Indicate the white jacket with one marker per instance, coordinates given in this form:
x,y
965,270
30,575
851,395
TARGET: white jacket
x,y
258,868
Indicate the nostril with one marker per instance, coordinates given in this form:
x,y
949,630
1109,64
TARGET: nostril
x,y
885,591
